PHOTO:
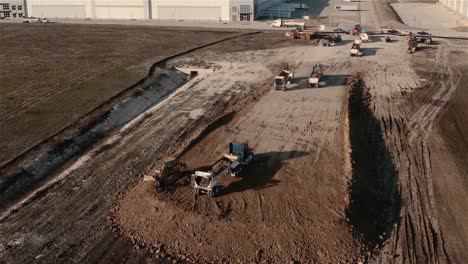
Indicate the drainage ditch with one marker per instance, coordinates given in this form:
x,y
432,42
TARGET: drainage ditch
x,y
34,173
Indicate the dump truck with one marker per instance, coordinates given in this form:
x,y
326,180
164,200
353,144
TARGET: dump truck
x,y
412,44
285,23
364,37
232,164
356,50
316,76
284,77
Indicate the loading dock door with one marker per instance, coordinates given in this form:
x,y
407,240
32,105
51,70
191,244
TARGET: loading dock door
x,y
62,11
189,12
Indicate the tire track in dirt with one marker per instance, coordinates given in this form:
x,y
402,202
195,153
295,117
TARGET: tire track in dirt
x,y
296,142
406,109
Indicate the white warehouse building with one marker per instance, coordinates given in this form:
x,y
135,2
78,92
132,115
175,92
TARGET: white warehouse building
x,y
224,10
459,6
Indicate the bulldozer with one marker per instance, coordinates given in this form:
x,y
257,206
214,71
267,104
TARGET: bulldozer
x,y
168,170
304,34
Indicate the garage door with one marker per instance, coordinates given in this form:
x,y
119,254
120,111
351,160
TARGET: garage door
x,y
189,12
123,12
65,11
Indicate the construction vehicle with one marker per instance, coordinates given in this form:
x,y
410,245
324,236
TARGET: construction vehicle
x,y
304,34
356,49
286,76
424,37
388,39
412,44
232,164
168,170
285,23
364,37
316,76
331,40
356,30
347,7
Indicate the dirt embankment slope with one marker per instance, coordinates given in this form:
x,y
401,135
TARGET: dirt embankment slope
x,y
53,74
409,108
68,220
449,159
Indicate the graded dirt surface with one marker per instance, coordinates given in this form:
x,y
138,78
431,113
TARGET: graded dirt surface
x,y
370,167
449,157
275,213
53,74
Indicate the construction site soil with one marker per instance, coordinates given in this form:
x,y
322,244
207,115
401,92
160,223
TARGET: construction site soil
x,y
370,167
54,74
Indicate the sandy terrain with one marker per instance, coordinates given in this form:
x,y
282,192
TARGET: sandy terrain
x,y
370,167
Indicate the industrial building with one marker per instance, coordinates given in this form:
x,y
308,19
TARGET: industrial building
x,y
459,6
12,9
217,10
213,10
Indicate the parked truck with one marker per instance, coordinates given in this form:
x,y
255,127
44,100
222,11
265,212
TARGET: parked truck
x,y
287,23
347,7
232,164
31,20
316,76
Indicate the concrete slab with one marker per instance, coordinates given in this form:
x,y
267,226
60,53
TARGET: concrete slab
x,y
433,17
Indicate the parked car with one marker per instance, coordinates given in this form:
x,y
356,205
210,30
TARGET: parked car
x,y
406,32
340,30
393,31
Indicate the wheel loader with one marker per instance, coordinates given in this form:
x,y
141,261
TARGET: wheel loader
x,y
165,172
232,164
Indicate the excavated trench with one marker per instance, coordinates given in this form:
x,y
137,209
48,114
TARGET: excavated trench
x,y
374,198
35,173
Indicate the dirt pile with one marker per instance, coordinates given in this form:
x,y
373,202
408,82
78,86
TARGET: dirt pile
x,y
374,199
